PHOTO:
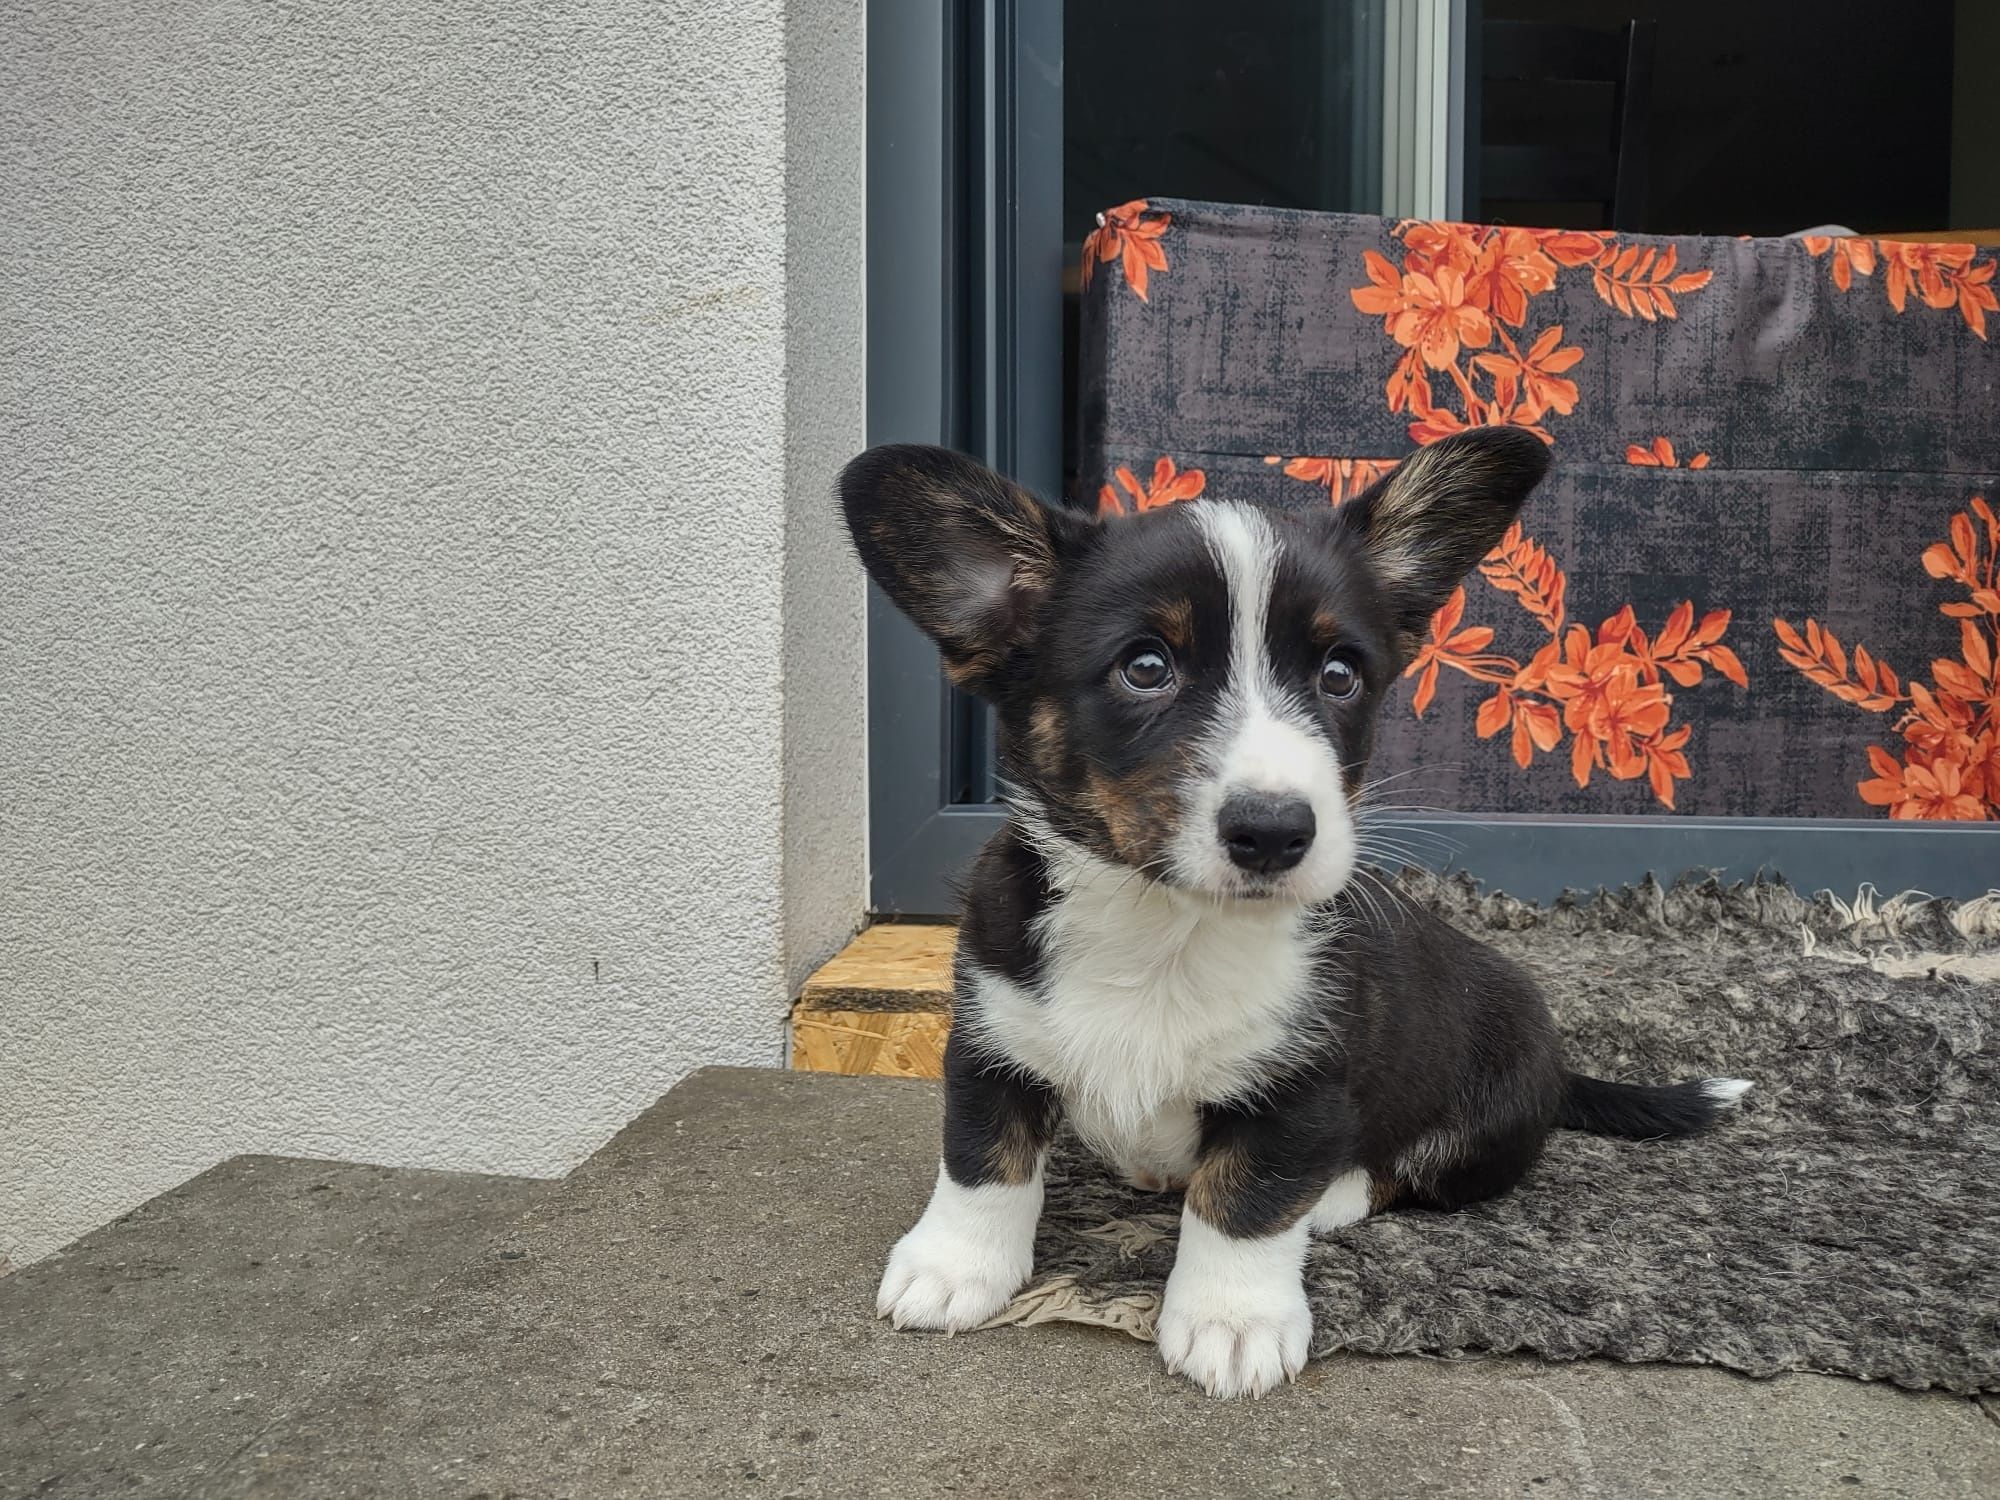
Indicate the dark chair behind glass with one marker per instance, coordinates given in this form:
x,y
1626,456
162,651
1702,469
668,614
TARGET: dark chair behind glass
x,y
1565,122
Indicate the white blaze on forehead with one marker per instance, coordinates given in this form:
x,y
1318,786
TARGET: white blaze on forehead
x,y
1265,738
1246,550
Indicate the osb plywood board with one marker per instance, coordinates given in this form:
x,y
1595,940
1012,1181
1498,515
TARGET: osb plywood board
x,y
894,966
896,1043
882,1005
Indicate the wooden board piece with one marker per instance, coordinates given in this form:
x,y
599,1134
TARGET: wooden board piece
x,y
896,966
892,1043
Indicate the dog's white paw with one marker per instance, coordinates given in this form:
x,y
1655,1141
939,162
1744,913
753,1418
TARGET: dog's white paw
x,y
1234,1319
1236,1353
940,1281
970,1252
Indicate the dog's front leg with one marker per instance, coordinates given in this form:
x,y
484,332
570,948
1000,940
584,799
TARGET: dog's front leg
x,y
1234,1319
975,1244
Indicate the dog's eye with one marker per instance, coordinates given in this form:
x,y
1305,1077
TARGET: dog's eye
x,y
1338,677
1146,669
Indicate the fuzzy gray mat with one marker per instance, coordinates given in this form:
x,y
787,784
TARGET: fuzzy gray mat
x,y
1847,1220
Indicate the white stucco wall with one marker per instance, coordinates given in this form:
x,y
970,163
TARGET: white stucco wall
x,y
430,681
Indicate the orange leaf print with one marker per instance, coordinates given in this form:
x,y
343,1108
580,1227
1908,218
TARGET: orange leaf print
x,y
1168,485
1130,235
1572,247
1520,566
1641,283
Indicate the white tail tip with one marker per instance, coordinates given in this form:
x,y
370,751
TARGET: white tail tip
x,y
1725,1091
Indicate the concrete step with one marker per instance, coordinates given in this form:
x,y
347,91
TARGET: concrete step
x,y
691,1314
137,1360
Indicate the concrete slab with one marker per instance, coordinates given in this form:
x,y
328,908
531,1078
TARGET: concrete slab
x,y
135,1359
691,1315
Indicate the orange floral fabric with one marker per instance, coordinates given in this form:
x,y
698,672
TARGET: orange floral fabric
x,y
1130,235
1950,761
1942,275
1292,359
1461,287
1168,485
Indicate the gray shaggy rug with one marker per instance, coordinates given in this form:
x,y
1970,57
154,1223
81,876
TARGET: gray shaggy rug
x,y
1847,1220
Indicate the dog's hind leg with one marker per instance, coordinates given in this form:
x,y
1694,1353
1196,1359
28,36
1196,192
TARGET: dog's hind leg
x,y
1448,1172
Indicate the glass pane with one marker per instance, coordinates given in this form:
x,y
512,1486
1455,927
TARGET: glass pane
x,y
1268,101
1239,103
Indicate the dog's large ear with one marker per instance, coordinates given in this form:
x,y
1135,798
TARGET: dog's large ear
x,y
1437,513
964,552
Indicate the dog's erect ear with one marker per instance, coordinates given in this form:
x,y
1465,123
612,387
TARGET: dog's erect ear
x,y
964,552
1437,513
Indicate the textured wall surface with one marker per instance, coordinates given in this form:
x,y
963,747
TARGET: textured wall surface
x,y
411,425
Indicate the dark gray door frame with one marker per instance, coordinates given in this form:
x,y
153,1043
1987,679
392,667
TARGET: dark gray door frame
x,y
964,248
964,346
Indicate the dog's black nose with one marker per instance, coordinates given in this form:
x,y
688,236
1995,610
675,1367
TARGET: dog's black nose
x,y
1266,834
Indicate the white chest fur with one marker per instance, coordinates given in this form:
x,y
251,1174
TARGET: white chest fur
x,y
1151,1002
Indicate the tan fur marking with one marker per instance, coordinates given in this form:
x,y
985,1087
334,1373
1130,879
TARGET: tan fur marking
x,y
1174,619
1045,735
1014,1153
1383,1190
1222,1176
966,671
1141,813
1218,1179
1324,628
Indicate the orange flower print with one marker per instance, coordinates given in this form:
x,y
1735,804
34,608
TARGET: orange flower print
x,y
1535,377
1437,319
1129,233
1941,274
1510,269
1915,789
1659,454
1923,266
1461,649
1462,288
1342,478
1609,691
1950,767
1851,257
1427,313
1609,709
1169,485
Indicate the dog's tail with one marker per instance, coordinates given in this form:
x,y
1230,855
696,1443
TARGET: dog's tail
x,y
1639,1112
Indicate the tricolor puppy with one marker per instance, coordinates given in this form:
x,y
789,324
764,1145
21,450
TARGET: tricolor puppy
x,y
1163,946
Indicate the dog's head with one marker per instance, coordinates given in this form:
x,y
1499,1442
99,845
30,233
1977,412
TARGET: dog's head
x,y
1190,692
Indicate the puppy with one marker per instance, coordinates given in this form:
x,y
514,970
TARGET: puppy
x,y
1164,945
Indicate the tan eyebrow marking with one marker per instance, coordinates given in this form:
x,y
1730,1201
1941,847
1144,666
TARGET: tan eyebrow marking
x,y
1174,619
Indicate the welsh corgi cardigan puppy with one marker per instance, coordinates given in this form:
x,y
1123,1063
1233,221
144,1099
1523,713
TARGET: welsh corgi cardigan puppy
x,y
1164,946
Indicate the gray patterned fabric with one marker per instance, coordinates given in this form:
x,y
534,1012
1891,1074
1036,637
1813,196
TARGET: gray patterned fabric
x,y
1766,430
1847,1220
